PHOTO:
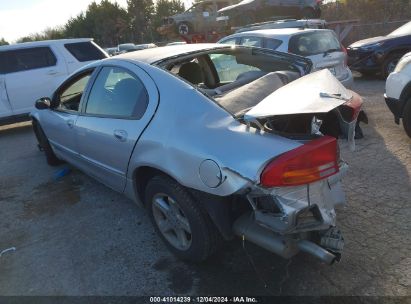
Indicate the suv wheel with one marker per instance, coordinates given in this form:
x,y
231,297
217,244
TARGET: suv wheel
x,y
182,224
406,118
184,28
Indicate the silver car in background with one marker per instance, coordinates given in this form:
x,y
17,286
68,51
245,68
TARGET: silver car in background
x,y
319,45
214,141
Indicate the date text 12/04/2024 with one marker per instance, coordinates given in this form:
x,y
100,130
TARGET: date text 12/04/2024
x,y
203,300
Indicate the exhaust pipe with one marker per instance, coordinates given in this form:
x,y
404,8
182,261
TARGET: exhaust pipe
x,y
247,228
317,251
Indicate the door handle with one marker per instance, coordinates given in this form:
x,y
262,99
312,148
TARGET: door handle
x,y
52,72
121,135
70,123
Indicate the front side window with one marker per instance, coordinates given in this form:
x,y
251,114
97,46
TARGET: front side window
x,y
119,93
26,59
227,67
70,95
84,51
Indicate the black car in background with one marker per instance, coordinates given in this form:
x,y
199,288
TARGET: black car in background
x,y
380,55
252,11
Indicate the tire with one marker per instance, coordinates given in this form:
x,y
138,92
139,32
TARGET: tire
x,y
44,145
406,118
180,218
184,28
389,64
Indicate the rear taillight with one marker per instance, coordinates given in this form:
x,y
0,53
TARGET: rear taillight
x,y
346,55
313,161
352,108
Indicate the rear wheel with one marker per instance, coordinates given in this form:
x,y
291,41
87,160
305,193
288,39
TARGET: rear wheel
x,y
44,145
182,224
406,117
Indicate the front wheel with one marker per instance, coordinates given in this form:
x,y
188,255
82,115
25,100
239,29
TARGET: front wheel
x,y
406,117
389,64
179,220
45,146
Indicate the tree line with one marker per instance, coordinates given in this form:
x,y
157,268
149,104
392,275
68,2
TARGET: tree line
x,y
367,11
110,24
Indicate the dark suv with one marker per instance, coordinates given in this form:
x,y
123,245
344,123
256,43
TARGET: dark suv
x,y
251,11
380,54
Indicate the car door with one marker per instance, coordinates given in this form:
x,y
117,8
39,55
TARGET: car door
x,y
59,122
119,106
33,73
5,108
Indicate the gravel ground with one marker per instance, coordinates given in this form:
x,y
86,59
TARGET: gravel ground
x,y
77,237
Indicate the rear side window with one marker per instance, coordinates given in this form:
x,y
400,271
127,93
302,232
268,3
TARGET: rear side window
x,y
26,59
117,92
313,43
272,44
84,51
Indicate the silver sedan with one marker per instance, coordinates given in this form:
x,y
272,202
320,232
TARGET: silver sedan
x,y
214,141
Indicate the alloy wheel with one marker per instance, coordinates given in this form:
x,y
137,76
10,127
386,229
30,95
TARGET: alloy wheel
x,y
171,221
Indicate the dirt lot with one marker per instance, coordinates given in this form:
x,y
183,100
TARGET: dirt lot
x,y
77,237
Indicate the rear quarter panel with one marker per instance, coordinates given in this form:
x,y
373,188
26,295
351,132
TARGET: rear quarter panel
x,y
189,128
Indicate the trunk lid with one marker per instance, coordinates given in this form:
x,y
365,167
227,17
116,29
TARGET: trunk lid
x,y
334,62
319,92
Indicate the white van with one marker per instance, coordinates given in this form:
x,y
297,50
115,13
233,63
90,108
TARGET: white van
x,y
31,70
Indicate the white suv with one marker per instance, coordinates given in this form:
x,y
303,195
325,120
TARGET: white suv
x,y
398,92
319,45
32,70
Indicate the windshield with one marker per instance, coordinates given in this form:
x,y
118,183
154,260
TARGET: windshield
x,y
313,43
402,30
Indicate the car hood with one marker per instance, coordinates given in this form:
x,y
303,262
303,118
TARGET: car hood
x,y
368,41
319,92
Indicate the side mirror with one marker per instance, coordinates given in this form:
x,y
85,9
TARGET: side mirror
x,y
43,103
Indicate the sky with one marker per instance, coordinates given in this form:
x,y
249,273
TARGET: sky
x,y
19,18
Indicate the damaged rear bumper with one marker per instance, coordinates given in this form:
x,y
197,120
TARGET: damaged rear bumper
x,y
288,220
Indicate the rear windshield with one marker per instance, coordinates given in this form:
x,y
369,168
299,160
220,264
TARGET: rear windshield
x,y
84,51
313,43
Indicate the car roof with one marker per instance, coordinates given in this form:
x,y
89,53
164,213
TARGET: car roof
x,y
154,55
42,43
277,32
